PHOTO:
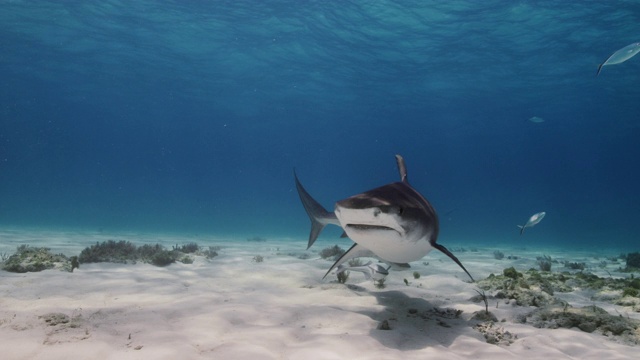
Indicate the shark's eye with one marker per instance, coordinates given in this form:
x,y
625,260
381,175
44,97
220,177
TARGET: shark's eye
x,y
392,210
376,212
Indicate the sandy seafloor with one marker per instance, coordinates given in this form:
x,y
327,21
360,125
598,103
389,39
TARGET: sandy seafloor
x,y
232,307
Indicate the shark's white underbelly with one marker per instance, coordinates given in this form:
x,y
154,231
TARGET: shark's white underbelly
x,y
390,246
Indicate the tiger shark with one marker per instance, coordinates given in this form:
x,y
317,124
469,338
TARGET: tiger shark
x,y
394,223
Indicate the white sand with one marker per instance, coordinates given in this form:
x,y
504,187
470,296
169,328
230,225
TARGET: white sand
x,y
233,308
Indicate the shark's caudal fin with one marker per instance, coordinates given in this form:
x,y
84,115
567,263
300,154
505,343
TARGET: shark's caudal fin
x,y
453,257
599,69
521,229
317,214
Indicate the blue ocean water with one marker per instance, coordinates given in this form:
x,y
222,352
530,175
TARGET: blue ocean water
x,y
190,116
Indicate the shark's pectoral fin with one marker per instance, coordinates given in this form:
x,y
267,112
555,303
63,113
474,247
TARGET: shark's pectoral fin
x,y
452,257
344,235
353,252
317,214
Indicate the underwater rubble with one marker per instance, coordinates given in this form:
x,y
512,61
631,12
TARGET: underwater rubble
x,y
332,252
586,318
494,334
535,288
126,252
34,259
632,262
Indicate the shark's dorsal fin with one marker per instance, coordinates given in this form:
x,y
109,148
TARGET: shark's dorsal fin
x,y
402,168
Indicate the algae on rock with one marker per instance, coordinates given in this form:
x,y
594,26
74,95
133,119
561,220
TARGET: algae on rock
x,y
587,319
34,259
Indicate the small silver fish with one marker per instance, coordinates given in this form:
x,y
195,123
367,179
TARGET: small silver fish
x,y
370,270
533,220
536,119
621,56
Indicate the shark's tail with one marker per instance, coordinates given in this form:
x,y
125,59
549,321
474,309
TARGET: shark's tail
x,y
453,257
599,69
521,228
317,214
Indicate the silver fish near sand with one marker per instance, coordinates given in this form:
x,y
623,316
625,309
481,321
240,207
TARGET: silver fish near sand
x,y
393,223
621,56
533,220
370,270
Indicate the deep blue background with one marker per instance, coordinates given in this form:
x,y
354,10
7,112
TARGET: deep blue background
x,y
189,116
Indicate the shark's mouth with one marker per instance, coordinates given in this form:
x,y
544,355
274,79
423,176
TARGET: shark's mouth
x,y
365,227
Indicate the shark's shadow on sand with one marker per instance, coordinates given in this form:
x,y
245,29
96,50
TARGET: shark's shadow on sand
x,y
415,323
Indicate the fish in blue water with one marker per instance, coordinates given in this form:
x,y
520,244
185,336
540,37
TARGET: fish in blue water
x,y
533,220
621,56
394,223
